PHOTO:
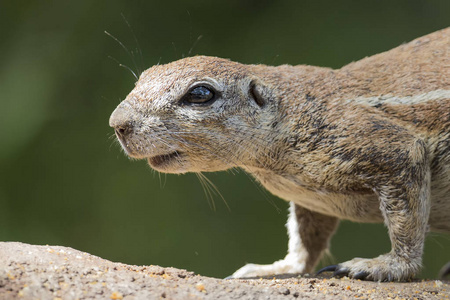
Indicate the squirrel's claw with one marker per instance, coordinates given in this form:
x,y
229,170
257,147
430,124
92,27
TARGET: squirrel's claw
x,y
341,272
331,268
338,271
361,275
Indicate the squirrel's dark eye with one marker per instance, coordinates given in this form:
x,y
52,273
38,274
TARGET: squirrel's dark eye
x,y
199,95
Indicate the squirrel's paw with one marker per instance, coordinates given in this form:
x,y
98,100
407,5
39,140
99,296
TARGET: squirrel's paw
x,y
284,266
385,267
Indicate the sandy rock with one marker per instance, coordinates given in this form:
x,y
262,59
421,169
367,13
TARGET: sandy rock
x,y
54,272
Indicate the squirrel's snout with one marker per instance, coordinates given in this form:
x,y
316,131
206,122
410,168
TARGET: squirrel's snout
x,y
121,122
123,131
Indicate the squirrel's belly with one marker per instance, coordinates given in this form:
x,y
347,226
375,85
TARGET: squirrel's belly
x,y
354,207
351,206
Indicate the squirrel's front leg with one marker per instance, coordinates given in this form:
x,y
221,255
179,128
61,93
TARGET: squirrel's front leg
x,y
405,205
309,234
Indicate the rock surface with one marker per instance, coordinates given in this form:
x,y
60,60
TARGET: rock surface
x,y
54,272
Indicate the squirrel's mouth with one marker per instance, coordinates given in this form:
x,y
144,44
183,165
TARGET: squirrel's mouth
x,y
163,160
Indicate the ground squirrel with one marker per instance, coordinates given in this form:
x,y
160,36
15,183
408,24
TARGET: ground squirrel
x,y
369,142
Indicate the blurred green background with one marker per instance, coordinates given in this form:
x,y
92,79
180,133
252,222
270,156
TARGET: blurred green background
x,y
64,181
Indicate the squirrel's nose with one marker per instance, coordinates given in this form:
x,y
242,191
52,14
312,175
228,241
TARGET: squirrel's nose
x,y
121,122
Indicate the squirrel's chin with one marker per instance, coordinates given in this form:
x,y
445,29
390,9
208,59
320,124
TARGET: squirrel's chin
x,y
173,162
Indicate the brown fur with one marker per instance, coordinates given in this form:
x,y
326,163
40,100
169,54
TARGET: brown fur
x,y
368,142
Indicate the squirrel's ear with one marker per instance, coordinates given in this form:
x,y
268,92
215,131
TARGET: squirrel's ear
x,y
257,93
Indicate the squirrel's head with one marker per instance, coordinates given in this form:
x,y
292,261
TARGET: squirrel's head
x,y
196,114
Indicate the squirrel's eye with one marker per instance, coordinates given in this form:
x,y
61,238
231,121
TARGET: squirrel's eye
x,y
199,94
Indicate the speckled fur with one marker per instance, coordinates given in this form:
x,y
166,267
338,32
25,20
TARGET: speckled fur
x,y
369,142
